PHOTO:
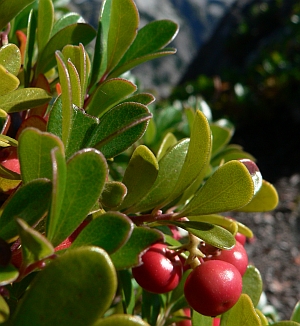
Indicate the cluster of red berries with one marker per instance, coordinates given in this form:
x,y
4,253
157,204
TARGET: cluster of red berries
x,y
211,288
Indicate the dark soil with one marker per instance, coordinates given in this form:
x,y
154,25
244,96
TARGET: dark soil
x,y
275,250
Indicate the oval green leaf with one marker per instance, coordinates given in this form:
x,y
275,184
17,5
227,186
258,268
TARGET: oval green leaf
x,y
8,274
101,232
78,300
86,174
23,99
242,313
4,310
252,284
113,194
69,18
296,313
8,81
129,255
139,176
229,188
109,94
35,153
10,58
266,199
45,23
30,202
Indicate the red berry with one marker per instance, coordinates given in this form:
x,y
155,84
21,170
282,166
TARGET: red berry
x,y
160,271
216,321
241,238
236,256
213,287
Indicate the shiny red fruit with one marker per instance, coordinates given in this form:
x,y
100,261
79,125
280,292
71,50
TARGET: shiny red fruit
x,y
213,287
160,271
241,238
186,322
236,256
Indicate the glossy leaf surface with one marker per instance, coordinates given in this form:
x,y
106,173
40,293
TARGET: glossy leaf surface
x,y
69,18
265,200
35,154
121,320
221,136
119,128
296,313
87,169
10,58
168,141
30,203
79,300
11,9
23,99
101,232
124,21
229,188
252,284
140,175
129,255
242,313
167,176
108,94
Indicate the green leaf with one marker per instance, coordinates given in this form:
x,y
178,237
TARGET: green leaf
x,y
142,98
109,94
197,157
86,174
119,128
229,188
129,255
220,135
131,64
128,291
83,126
78,300
23,99
35,246
30,47
101,232
242,313
139,176
213,234
59,177
113,194
8,81
168,141
10,58
11,9
66,97
296,313
69,18
71,34
169,166
45,23
75,84
150,39
30,202
151,306
35,153
286,323
252,284
8,274
4,310
200,320
121,320
266,199
123,25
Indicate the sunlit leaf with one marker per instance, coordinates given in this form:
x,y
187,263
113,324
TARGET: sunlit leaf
x,y
45,23
4,309
8,81
78,300
252,284
121,320
296,313
168,141
229,188
242,313
108,94
66,20
140,174
8,274
10,58
265,200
